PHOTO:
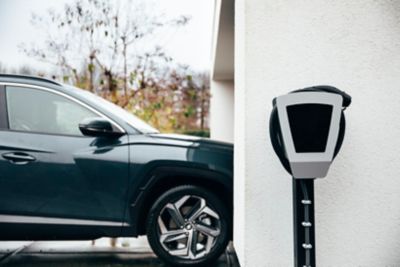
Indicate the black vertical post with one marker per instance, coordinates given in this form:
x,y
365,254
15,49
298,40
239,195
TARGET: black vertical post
x,y
303,220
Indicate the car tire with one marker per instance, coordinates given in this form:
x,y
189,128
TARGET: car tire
x,y
188,226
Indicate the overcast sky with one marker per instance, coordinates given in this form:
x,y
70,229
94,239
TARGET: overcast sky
x,y
190,44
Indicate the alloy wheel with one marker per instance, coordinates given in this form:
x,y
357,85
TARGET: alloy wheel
x,y
188,227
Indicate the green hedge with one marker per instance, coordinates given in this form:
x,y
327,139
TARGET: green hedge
x,y
200,133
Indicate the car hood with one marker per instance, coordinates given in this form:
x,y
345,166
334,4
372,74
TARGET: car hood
x,y
201,141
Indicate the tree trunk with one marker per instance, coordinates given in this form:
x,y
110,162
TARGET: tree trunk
x,y
111,85
125,71
91,73
202,114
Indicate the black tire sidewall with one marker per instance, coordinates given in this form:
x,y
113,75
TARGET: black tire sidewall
x,y
213,201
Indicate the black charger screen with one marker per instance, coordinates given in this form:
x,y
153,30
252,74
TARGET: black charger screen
x,y
309,124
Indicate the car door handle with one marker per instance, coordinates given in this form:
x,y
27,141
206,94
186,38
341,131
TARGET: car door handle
x,y
18,157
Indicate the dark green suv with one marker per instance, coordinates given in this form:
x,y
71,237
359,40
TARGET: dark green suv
x,y
76,167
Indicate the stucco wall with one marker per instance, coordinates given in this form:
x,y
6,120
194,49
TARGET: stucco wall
x,y
221,110
354,45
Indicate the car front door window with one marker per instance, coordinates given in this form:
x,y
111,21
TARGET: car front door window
x,y
35,110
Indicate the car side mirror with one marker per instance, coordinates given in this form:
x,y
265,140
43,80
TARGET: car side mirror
x,y
98,127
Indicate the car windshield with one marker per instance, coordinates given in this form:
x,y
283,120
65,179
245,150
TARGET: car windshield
x,y
131,119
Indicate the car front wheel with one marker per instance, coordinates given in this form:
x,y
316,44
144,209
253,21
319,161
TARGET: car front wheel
x,y
188,226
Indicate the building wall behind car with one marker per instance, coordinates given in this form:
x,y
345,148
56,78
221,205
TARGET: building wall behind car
x,y
222,110
353,45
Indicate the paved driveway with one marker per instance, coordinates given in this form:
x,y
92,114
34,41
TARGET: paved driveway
x,y
82,254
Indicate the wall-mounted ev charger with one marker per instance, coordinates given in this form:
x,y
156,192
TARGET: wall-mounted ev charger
x,y
307,128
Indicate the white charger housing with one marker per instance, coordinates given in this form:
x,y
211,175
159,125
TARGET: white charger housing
x,y
309,122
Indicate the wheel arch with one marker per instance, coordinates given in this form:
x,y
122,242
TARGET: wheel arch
x,y
163,178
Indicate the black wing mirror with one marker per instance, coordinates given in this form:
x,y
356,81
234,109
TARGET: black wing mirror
x,y
98,127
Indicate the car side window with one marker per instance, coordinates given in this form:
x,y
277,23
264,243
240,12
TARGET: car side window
x,y
35,110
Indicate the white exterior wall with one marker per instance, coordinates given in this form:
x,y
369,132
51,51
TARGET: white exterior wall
x,y
285,45
221,110
222,84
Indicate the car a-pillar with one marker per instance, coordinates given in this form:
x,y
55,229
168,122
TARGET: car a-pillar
x,y
307,128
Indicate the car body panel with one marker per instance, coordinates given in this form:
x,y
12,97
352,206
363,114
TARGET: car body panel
x,y
71,178
87,187
159,157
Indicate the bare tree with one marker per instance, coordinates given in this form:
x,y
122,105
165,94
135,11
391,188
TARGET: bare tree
x,y
100,32
109,48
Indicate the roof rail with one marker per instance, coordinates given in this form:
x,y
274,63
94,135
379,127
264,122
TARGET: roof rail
x,y
35,78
